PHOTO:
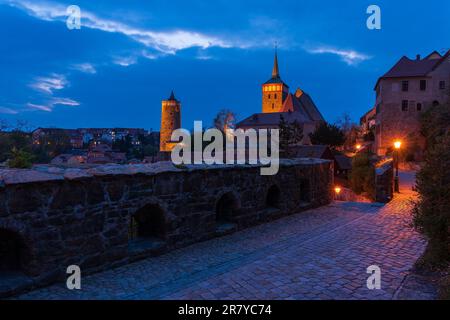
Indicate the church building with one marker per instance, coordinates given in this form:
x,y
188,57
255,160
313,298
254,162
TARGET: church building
x,y
278,101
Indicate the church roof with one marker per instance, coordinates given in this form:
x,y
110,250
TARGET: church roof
x,y
275,73
302,102
272,119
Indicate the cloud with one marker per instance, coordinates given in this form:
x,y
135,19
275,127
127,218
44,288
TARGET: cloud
x,y
350,57
125,61
48,107
164,41
39,107
6,110
64,101
50,83
84,67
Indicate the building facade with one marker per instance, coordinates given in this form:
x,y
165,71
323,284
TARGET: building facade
x,y
408,89
170,121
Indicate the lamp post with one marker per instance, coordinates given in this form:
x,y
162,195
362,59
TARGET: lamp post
x,y
397,145
337,191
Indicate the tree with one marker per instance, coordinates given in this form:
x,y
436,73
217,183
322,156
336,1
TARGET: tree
x,y
362,175
290,134
350,129
225,119
328,134
431,212
20,159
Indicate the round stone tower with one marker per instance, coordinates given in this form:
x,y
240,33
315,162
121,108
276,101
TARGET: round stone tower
x,y
170,121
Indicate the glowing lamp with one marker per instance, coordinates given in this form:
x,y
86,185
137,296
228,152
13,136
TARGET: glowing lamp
x,y
397,144
358,146
337,190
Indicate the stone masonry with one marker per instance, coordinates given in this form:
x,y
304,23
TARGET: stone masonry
x,y
110,215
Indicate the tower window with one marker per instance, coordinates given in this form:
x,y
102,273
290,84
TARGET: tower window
x,y
441,85
423,85
269,95
404,105
273,105
275,95
419,107
405,85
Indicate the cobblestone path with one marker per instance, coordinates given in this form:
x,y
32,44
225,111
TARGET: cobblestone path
x,y
318,254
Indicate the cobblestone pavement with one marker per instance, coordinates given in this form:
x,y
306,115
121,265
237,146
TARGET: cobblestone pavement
x,y
317,254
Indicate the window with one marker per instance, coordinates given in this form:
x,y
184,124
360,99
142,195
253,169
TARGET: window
x,y
441,85
405,85
275,96
269,95
273,105
423,85
419,107
404,105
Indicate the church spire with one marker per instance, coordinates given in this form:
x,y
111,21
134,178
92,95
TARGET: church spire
x,y
172,97
275,72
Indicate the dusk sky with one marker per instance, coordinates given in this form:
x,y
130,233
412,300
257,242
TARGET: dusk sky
x,y
129,55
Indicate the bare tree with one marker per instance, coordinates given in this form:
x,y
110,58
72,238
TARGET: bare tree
x,y
225,119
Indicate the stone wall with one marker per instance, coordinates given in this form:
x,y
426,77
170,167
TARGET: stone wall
x,y
384,182
110,215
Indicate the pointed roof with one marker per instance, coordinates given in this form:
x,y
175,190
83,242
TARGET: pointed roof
x,y
275,71
172,97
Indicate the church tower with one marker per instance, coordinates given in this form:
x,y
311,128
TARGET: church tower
x,y
274,91
170,121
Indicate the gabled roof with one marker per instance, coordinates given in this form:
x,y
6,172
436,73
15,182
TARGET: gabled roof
x,y
343,162
406,67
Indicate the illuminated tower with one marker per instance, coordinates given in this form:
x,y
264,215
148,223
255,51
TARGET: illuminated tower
x,y
274,91
170,121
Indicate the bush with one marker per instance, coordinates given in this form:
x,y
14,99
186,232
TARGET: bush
x,y
328,134
362,176
20,159
431,212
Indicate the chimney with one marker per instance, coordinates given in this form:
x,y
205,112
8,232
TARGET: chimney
x,y
418,57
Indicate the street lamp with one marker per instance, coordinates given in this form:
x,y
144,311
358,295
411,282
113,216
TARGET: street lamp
x,y
358,147
337,190
397,146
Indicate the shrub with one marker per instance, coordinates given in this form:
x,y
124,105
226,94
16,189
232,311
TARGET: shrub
x,y
362,175
431,212
20,159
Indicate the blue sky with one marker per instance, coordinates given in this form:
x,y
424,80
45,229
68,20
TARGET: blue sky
x,y
129,55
